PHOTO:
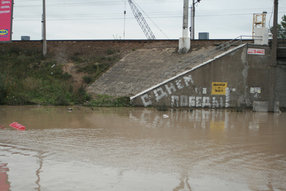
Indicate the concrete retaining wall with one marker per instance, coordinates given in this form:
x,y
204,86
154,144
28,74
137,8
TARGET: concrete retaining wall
x,y
281,84
236,78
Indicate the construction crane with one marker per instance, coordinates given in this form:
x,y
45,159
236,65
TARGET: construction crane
x,y
141,21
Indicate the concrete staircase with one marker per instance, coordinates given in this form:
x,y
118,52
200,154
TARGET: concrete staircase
x,y
143,68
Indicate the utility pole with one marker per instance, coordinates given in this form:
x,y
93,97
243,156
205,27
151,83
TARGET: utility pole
x,y
193,9
184,41
193,14
272,107
44,36
274,40
124,20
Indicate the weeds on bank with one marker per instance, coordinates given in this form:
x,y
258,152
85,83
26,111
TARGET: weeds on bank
x,y
27,78
95,65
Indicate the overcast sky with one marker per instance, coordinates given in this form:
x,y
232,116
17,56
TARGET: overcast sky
x,y
104,19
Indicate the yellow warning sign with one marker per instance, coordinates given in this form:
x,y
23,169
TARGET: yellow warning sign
x,y
218,88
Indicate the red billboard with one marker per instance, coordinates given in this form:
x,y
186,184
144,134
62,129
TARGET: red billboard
x,y
6,10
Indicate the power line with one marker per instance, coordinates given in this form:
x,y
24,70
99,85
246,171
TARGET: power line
x,y
105,2
102,2
87,16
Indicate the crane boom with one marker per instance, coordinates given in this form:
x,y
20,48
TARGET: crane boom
x,y
141,21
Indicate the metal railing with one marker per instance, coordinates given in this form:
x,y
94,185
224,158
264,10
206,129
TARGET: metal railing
x,y
215,51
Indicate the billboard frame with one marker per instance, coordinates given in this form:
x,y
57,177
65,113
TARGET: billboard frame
x,y
11,24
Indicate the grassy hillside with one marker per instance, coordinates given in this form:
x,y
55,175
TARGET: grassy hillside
x,y
28,78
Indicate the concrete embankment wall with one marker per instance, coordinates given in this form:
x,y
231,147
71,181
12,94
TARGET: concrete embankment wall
x,y
281,84
236,78
281,73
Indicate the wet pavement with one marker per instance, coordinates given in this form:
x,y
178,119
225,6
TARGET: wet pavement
x,y
124,149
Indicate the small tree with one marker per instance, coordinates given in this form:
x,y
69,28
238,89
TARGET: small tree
x,y
281,29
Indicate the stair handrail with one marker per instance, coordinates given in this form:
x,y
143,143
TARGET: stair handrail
x,y
212,52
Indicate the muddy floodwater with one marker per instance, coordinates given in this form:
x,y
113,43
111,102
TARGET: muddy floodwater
x,y
137,149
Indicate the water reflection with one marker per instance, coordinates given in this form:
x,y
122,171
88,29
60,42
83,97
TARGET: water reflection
x,y
20,158
210,119
142,149
4,183
38,171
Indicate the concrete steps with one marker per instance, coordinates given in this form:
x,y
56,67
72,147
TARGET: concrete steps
x,y
161,93
143,68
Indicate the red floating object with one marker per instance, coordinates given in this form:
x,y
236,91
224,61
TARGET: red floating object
x,y
18,126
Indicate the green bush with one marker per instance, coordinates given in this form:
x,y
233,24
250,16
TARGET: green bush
x,y
87,79
110,51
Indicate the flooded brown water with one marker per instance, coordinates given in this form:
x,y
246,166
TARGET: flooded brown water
x,y
119,149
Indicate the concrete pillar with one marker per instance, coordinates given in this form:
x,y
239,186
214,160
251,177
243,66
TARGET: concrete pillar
x,y
185,41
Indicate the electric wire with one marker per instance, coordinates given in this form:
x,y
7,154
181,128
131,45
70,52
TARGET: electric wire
x,y
92,17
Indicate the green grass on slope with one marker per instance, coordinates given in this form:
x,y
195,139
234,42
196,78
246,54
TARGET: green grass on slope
x,y
27,78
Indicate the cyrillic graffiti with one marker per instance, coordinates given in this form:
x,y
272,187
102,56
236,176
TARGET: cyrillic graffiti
x,y
167,89
219,95
199,101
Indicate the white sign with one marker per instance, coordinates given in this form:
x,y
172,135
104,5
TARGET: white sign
x,y
256,51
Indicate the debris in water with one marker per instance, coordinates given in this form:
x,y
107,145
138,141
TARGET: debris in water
x,y
17,126
165,116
